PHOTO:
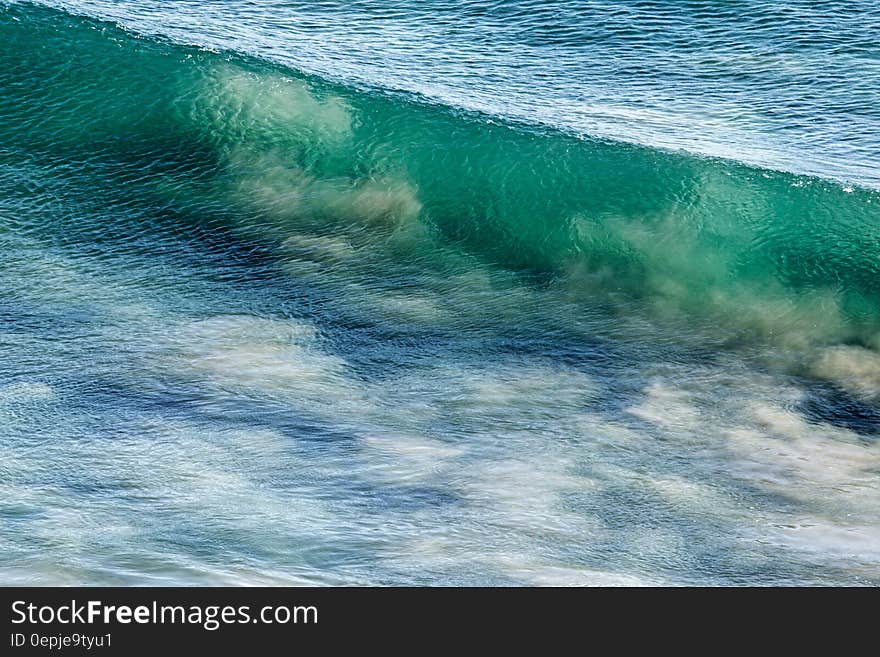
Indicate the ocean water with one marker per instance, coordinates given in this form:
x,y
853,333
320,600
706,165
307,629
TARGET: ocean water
x,y
477,293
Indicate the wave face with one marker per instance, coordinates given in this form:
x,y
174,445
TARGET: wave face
x,y
371,320
717,241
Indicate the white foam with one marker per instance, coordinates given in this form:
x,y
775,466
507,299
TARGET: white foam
x,y
666,407
245,106
266,357
26,392
409,457
854,368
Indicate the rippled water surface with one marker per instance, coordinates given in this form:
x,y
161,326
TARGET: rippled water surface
x,y
439,293
792,86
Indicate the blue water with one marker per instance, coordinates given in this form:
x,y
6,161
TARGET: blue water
x,y
479,293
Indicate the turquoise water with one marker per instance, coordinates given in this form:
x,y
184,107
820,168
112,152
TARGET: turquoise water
x,y
460,293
